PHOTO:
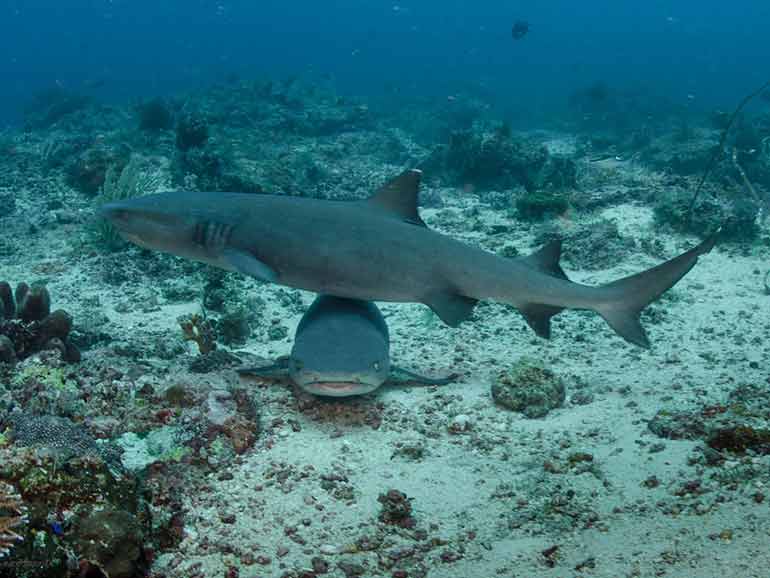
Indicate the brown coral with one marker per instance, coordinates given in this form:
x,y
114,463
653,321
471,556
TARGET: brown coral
x,y
28,325
197,328
13,514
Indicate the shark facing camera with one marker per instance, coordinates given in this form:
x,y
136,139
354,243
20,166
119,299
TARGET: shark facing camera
x,y
341,348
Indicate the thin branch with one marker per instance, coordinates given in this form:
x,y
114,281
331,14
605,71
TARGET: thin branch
x,y
720,149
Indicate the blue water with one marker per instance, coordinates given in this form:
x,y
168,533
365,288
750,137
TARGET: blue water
x,y
702,53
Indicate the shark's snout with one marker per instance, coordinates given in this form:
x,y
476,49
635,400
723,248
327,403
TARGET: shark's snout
x,y
148,224
115,213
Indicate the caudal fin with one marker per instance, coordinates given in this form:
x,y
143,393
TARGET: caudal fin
x,y
625,298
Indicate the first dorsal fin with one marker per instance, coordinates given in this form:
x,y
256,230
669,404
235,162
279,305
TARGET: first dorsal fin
x,y
399,196
546,259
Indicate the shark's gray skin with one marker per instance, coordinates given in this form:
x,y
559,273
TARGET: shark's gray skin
x,y
341,348
380,250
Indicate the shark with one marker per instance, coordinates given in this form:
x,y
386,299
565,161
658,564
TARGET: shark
x,y
380,249
341,348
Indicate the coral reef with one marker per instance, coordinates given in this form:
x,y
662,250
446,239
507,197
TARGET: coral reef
x,y
591,245
537,205
483,161
59,435
192,131
149,457
28,325
110,543
49,106
63,502
155,115
490,160
198,329
13,515
86,172
132,179
740,425
737,216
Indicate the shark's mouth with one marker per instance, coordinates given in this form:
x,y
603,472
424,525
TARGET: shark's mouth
x,y
338,388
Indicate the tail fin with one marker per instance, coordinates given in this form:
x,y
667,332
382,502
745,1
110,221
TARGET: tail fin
x,y
628,296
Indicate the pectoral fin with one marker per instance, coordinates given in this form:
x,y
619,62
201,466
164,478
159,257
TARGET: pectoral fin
x,y
409,376
249,265
277,370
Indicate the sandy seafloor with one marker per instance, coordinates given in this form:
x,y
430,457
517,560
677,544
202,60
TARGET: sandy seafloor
x,y
490,499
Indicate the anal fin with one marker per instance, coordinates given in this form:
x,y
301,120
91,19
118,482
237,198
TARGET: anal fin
x,y
452,308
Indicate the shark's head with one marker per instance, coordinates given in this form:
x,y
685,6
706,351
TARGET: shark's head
x,y
166,222
341,348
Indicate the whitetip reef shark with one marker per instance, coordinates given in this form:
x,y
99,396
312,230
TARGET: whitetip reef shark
x,y
341,348
380,249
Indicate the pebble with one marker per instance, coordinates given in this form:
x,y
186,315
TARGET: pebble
x,y
460,423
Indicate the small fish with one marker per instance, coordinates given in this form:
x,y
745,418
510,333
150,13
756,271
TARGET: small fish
x,y
519,29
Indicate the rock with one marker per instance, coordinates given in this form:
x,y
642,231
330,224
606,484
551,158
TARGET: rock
x,y
677,425
396,509
7,352
529,388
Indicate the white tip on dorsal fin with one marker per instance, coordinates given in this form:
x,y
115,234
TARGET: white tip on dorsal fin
x,y
399,196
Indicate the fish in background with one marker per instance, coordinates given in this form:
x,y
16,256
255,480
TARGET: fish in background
x,y
519,29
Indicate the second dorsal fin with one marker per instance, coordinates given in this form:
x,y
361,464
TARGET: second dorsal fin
x,y
399,196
